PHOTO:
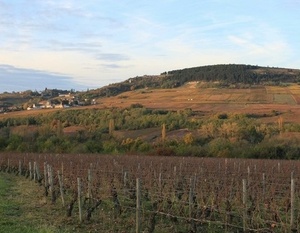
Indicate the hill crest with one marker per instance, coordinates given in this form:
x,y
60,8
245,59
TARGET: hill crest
x,y
225,75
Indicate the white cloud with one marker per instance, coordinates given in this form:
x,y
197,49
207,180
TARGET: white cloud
x,y
263,44
112,57
98,41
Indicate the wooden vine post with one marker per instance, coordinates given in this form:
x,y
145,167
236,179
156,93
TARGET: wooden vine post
x,y
138,206
62,171
89,194
160,182
125,179
249,174
20,167
30,170
191,196
37,170
79,199
50,175
244,204
45,178
292,222
191,202
61,187
263,186
34,171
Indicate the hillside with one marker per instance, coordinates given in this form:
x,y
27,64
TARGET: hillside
x,y
229,117
257,122
224,75
240,76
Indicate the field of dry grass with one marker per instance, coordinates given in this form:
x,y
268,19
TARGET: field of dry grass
x,y
189,95
259,100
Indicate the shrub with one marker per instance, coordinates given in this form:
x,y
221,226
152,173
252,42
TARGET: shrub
x,y
165,151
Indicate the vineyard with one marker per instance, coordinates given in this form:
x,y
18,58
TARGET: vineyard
x,y
181,97
166,194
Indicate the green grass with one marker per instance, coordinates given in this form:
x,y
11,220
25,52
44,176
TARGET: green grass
x,y
14,216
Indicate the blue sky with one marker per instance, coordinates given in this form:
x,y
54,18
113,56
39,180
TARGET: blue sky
x,y
88,44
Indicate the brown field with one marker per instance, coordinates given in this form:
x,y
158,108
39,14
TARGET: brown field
x,y
261,100
189,96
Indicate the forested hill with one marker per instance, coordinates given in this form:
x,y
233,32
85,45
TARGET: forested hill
x,y
225,75
232,74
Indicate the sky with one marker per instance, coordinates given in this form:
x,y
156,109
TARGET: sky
x,y
87,44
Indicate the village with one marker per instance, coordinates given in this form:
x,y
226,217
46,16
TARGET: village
x,y
46,99
62,101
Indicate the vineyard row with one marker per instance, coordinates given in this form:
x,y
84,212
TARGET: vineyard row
x,y
160,194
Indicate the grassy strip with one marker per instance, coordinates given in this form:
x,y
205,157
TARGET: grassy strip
x,y
20,209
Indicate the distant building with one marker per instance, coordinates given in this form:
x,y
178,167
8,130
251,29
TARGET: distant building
x,y
49,104
59,105
35,106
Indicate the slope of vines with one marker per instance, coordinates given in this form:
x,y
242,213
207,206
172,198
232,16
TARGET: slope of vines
x,y
174,195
